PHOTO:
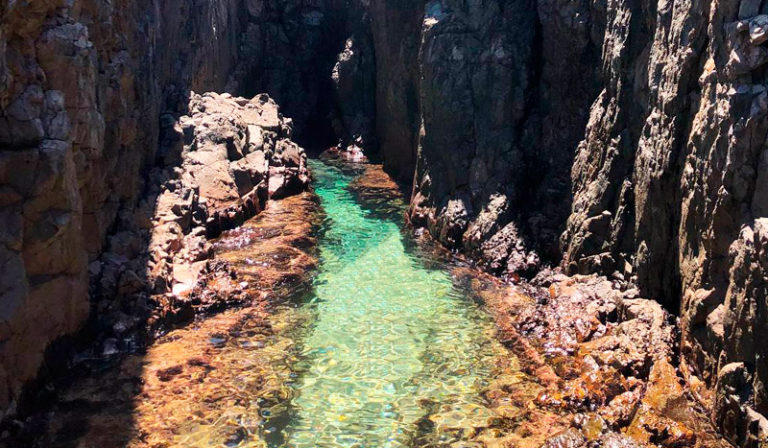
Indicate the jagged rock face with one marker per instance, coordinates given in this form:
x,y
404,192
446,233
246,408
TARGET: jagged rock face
x,y
502,101
82,84
658,111
738,328
625,177
670,173
466,56
723,185
619,137
230,156
396,26
216,168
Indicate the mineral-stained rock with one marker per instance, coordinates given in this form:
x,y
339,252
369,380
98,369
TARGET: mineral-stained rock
x,y
571,438
657,419
611,359
612,137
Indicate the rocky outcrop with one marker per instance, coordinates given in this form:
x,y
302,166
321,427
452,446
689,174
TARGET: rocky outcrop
x,y
737,328
222,163
663,191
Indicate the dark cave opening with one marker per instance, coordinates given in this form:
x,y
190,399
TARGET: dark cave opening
x,y
292,57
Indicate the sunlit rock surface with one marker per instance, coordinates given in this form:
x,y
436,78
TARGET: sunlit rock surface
x,y
204,384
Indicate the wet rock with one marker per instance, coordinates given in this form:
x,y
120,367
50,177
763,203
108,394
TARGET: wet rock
x,y
572,438
658,419
621,409
609,363
615,440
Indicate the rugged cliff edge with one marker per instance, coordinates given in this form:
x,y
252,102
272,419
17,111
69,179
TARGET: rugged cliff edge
x,y
83,85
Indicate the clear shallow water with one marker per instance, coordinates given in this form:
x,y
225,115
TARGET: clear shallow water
x,y
396,354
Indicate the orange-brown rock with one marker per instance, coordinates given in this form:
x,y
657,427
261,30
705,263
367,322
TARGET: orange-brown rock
x,y
202,376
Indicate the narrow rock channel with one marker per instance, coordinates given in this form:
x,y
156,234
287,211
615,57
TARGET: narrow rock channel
x,y
392,341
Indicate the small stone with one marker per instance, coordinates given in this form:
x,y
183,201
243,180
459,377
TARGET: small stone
x,y
758,29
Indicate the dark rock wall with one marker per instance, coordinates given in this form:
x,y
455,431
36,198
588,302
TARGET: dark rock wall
x,y
634,133
477,63
396,26
82,85
354,79
505,93
289,49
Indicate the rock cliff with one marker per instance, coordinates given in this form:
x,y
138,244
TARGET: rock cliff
x,y
90,94
82,85
505,92
659,112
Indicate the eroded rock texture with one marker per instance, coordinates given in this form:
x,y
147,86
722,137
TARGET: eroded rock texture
x,y
615,137
221,164
91,151
665,183
475,63
658,110
504,94
82,84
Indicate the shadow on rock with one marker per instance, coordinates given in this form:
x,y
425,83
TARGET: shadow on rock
x,y
125,380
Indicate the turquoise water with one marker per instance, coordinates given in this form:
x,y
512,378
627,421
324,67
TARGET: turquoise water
x,y
396,354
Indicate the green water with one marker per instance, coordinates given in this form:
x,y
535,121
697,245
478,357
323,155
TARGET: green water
x,y
396,354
